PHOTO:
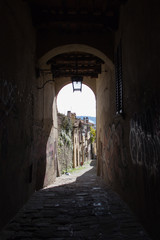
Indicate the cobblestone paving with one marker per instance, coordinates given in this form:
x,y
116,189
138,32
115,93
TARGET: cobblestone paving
x,y
77,206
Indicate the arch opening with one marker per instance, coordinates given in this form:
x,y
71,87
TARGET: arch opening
x,y
77,120
99,84
74,48
82,103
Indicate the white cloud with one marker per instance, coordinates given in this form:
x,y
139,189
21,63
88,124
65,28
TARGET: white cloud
x,y
81,103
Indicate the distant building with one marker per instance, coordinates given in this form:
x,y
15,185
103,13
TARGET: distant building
x,y
82,147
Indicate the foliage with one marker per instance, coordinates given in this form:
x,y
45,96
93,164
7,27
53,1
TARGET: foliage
x,y
66,124
92,134
65,142
65,132
65,138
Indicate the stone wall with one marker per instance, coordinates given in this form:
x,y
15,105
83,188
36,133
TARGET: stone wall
x,y
65,157
65,142
46,132
28,113
129,143
141,68
17,75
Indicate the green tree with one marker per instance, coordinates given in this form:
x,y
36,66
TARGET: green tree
x,y
92,134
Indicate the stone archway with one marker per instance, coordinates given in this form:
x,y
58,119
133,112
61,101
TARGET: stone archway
x,y
74,47
101,86
107,66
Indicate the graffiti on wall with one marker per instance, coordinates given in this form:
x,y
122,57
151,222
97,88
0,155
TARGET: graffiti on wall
x,y
145,153
7,97
114,154
145,139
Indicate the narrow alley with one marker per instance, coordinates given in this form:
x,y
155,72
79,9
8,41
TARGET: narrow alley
x,y
76,206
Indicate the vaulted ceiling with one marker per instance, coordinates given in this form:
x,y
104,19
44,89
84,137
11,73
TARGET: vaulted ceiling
x,y
72,17
75,63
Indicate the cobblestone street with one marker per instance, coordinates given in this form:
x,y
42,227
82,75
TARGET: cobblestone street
x,y
76,206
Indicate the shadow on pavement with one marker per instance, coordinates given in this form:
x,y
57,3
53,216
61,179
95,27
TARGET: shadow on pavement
x,y
83,209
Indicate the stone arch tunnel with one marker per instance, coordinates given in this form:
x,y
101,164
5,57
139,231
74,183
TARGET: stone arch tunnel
x,y
117,43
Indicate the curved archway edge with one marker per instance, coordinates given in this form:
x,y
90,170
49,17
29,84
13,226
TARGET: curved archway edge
x,y
63,83
69,82
74,47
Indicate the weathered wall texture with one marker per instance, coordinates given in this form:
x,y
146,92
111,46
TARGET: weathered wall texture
x,y
105,114
17,64
141,68
129,145
65,142
28,134
46,132
52,167
65,157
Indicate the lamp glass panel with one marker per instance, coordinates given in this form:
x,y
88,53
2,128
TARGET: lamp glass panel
x,y
77,85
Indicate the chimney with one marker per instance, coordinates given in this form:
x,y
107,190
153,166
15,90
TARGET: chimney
x,y
69,114
86,119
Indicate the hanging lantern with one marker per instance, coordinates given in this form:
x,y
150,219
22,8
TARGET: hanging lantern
x,y
77,83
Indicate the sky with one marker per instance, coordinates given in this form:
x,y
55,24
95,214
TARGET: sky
x,y
82,103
